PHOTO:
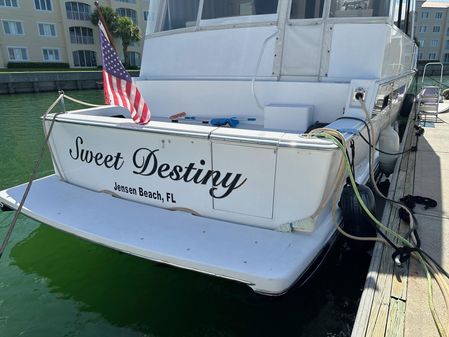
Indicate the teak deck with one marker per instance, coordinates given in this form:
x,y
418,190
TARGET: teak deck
x,y
394,299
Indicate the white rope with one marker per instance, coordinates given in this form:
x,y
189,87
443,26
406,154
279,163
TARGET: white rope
x,y
253,81
80,102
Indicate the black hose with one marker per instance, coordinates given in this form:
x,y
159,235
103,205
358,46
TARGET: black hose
x,y
416,247
373,182
370,155
413,148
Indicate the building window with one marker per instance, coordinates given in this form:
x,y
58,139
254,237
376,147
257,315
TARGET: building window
x,y
424,15
446,58
81,35
422,29
438,15
434,43
51,54
13,27
446,44
127,1
134,59
77,11
9,3
420,56
436,29
421,43
43,5
145,15
84,58
130,13
432,56
47,29
18,54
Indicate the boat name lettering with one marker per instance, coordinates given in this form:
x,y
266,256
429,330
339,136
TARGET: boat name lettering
x,y
140,191
110,161
146,163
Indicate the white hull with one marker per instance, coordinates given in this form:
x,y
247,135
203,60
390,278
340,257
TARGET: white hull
x,y
245,176
134,188
261,194
268,261
129,187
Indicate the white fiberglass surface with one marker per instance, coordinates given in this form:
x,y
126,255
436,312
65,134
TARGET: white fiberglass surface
x,y
221,53
268,260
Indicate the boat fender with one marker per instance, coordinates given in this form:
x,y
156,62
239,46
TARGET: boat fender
x,y
355,220
407,105
389,143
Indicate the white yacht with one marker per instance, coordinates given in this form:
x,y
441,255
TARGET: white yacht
x,y
252,202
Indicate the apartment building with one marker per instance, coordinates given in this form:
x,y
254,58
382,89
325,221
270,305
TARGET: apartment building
x,y
432,31
61,31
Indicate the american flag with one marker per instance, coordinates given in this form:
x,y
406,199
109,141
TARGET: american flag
x,y
119,88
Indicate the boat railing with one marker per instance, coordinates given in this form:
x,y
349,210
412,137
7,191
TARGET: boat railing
x,y
430,95
433,64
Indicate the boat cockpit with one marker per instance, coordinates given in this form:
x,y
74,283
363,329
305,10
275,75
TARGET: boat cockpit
x,y
270,55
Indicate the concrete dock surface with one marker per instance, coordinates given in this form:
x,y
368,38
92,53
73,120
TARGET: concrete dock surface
x,y
431,180
394,301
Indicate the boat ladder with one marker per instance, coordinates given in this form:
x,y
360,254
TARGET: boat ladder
x,y
430,95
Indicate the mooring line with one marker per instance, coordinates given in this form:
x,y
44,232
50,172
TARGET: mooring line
x,y
32,177
39,161
81,102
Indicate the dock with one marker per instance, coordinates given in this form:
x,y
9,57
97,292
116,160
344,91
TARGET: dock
x,y
41,81
394,301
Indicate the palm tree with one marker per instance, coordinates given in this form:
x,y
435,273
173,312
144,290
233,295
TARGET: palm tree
x,y
110,17
128,32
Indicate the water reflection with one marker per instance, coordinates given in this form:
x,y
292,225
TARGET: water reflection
x,y
165,301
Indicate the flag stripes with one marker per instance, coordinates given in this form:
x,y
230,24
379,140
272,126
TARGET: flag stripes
x,y
119,89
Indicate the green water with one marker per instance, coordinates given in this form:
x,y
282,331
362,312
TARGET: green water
x,y
54,284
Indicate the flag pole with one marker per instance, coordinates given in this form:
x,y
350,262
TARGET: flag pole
x,y
103,21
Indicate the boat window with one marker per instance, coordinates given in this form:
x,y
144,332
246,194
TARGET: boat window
x,y
403,14
306,9
180,14
357,8
214,9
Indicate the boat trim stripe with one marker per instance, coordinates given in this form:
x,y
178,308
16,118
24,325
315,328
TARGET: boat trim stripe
x,y
300,143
